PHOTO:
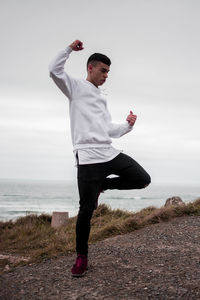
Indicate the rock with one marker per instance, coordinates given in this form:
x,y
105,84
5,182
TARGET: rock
x,y
175,200
59,219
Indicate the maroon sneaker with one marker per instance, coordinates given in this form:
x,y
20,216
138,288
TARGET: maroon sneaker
x,y
80,266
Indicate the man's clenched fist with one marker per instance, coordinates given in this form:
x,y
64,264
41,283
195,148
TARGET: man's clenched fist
x,y
76,45
131,118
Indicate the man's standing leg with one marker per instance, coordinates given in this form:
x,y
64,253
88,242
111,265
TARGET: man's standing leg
x,y
89,184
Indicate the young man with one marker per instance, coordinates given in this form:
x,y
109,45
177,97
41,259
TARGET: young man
x,y
92,130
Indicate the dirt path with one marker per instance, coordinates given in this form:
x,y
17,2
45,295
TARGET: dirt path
x,y
161,261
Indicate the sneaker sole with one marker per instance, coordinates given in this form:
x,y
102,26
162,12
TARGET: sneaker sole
x,y
79,275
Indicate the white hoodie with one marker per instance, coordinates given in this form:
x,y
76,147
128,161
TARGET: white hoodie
x,y
90,119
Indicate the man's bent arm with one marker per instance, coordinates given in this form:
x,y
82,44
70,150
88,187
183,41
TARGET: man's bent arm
x,y
118,130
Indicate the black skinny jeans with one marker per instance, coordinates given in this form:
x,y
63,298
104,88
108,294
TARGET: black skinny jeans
x,y
92,179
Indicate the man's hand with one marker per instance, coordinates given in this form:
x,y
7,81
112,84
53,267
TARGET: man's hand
x,y
131,118
76,45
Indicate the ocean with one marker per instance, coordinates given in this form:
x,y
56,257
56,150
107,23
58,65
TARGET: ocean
x,y
21,197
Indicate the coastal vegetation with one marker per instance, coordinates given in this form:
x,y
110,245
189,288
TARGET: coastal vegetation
x,y
32,239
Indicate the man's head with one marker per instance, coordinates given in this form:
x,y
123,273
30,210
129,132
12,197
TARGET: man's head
x,y
98,66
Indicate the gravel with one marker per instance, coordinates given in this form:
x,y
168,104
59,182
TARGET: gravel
x,y
161,261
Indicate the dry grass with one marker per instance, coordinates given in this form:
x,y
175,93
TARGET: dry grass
x,y
32,236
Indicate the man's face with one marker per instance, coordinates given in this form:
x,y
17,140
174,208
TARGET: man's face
x,y
98,73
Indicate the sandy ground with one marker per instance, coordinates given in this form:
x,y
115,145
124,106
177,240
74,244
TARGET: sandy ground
x,y
161,261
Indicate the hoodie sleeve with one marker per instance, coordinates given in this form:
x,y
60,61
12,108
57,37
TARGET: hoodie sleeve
x,y
56,69
117,130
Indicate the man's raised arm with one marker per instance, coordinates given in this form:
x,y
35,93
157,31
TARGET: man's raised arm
x,y
56,68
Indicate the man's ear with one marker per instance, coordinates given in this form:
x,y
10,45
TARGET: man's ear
x,y
90,67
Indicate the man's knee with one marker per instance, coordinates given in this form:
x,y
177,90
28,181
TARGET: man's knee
x,y
147,180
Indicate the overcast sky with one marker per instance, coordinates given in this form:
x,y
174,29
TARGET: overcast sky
x,y
154,46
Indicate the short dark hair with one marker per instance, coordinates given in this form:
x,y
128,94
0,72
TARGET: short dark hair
x,y
98,57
